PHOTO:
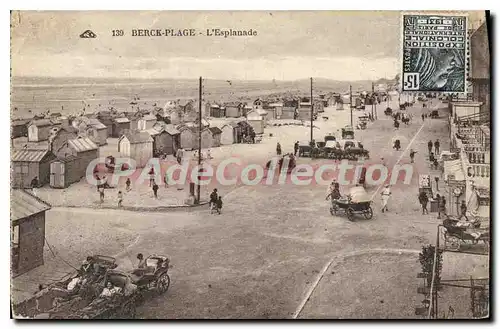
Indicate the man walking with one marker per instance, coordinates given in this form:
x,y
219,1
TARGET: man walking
x,y
151,176
436,147
101,194
423,117
296,148
463,211
429,146
412,156
437,182
423,199
127,183
213,198
441,206
155,190
278,149
120,198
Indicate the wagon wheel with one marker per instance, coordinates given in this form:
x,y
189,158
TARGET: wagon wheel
x,y
163,283
452,242
368,213
128,310
350,214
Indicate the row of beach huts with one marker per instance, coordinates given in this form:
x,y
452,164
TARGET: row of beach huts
x,y
59,149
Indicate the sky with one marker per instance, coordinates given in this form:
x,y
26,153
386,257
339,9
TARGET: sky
x,y
340,45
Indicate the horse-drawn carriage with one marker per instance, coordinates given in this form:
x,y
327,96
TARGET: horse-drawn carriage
x,y
348,132
458,234
434,114
356,202
306,148
125,290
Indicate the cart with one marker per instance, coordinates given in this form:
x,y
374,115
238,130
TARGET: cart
x,y
455,236
357,202
348,132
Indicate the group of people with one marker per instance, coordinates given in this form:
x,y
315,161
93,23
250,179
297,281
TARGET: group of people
x,y
433,155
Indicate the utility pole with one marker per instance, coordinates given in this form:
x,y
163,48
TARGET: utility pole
x,y
198,188
312,110
350,102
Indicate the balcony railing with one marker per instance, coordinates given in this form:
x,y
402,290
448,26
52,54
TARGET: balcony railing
x,y
475,165
481,169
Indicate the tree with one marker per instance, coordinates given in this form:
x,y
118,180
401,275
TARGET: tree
x,y
426,258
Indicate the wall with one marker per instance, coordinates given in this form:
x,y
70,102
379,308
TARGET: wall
x,y
187,139
141,153
25,180
31,242
465,108
227,136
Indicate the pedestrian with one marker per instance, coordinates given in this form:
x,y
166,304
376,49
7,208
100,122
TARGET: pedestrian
x,y
439,201
155,190
165,180
120,198
423,199
296,148
432,158
213,198
412,156
179,155
278,148
101,194
463,211
97,178
423,117
34,182
219,205
209,154
127,183
436,147
437,182
386,194
429,146
443,205
151,176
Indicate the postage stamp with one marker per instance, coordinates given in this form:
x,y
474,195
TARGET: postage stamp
x,y
434,53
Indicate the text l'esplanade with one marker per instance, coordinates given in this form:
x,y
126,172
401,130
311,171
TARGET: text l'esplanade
x,y
217,32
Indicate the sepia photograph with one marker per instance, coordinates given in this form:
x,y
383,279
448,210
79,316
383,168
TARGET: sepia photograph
x,y
181,165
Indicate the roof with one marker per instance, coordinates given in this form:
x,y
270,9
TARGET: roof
x,y
96,124
42,123
261,112
24,204
358,194
149,117
66,159
137,136
69,129
215,130
20,122
121,120
82,144
233,124
28,155
171,130
153,131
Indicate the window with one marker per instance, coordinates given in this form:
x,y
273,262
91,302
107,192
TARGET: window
x,y
15,235
21,168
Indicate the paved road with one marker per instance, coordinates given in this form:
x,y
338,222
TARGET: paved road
x,y
261,256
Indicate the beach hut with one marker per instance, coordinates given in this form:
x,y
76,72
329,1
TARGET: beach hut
x,y
106,119
19,128
64,172
28,164
234,109
256,120
84,149
228,134
27,221
216,111
187,137
166,140
39,130
59,136
274,111
146,122
216,136
97,132
206,138
120,126
137,145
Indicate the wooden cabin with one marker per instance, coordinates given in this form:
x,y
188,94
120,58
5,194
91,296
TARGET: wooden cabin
x,y
39,130
256,121
97,132
59,136
64,172
216,136
234,109
120,126
19,128
187,137
228,134
166,140
27,220
137,145
146,122
28,164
